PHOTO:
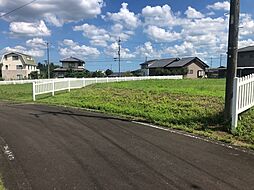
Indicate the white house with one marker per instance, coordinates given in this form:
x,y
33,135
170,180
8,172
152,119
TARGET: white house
x,y
17,65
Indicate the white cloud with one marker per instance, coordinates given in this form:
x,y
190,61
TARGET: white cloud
x,y
97,36
247,25
56,12
192,13
220,6
29,29
161,16
124,17
71,48
162,35
185,49
112,50
36,43
101,37
147,50
245,43
33,52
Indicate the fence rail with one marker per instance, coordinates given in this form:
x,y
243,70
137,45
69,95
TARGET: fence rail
x,y
243,97
52,86
27,81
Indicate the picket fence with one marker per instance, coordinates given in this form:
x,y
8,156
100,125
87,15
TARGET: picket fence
x,y
243,97
45,87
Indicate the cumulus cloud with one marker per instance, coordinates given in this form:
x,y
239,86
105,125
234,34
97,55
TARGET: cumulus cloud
x,y
36,43
112,50
185,49
101,37
124,17
33,52
147,50
29,29
192,13
220,6
161,16
247,25
245,43
56,12
97,36
71,48
161,35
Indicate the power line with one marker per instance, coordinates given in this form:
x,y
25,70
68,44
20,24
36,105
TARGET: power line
x,y
5,14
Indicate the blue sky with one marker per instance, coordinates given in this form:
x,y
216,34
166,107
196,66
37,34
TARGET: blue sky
x,y
149,29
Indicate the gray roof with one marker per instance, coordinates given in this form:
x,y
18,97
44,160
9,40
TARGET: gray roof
x,y
184,61
159,63
72,59
245,49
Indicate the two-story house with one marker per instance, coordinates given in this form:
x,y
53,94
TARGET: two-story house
x,y
69,64
16,66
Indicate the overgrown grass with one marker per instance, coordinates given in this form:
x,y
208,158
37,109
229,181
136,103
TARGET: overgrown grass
x,y
192,105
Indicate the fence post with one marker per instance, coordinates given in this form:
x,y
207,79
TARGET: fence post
x,y
235,105
96,80
53,88
69,85
34,91
84,82
107,79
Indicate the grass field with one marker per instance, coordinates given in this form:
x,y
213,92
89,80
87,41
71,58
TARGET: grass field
x,y
192,105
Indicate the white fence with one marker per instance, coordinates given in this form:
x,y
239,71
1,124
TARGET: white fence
x,y
40,87
25,81
243,97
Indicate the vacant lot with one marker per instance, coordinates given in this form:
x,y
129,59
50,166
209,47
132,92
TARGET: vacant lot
x,y
193,105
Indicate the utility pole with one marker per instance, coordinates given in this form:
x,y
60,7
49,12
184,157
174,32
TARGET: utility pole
x,y
119,56
211,62
232,56
48,59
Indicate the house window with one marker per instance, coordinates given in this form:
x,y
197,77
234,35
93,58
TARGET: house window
x,y
6,67
19,67
28,67
190,72
14,58
5,57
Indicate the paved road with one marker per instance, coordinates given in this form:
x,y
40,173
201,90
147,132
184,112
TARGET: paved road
x,y
60,148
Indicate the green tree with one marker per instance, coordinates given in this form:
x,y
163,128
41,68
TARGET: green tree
x,y
34,75
108,72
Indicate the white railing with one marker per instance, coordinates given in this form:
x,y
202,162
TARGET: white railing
x,y
26,81
243,97
40,87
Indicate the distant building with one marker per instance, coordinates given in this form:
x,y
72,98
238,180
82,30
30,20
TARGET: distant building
x,y
150,67
190,67
69,64
17,66
245,62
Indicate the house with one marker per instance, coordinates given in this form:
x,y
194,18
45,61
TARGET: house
x,y
194,66
190,67
150,67
17,66
245,61
245,64
69,64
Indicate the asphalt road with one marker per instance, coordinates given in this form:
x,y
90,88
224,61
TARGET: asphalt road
x,y
62,148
